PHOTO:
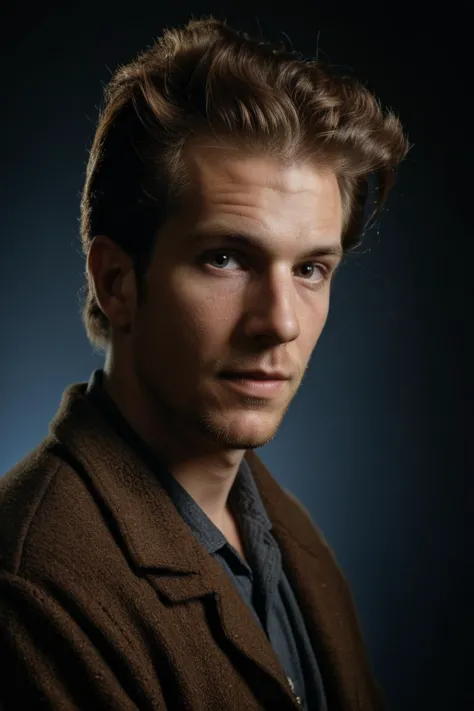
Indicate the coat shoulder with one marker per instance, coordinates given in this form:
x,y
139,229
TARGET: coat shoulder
x,y
44,509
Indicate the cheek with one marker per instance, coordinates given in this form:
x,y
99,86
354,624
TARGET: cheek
x,y
209,322
181,321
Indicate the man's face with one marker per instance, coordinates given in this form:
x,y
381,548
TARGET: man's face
x,y
215,303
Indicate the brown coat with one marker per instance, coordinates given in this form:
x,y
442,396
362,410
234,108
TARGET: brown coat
x,y
107,601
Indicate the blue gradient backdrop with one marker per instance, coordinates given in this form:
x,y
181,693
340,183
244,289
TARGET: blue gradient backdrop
x,y
377,442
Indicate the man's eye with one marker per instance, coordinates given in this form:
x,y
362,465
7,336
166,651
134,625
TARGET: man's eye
x,y
315,269
220,259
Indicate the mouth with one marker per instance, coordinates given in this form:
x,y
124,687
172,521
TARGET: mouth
x,y
259,375
256,385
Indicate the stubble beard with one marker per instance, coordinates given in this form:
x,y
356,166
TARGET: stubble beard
x,y
223,435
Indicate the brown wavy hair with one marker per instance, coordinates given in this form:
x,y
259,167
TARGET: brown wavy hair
x,y
207,80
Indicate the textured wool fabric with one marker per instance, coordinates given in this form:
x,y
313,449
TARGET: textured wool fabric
x,y
108,601
262,584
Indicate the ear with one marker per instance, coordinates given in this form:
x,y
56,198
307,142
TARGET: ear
x,y
111,275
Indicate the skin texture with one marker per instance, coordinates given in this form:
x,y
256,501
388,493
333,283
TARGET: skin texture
x,y
214,305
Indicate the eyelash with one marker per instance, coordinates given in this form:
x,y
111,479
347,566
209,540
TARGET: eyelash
x,y
231,253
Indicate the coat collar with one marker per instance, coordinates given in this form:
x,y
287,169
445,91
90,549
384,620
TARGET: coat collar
x,y
152,531
244,496
158,543
156,540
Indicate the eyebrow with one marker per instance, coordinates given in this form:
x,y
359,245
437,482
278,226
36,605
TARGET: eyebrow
x,y
247,239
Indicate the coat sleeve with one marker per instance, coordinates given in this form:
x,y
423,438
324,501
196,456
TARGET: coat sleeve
x,y
53,657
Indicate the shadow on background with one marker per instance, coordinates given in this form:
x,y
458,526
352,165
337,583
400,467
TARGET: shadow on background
x,y
376,442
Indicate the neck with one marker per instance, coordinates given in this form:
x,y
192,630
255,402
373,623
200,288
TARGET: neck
x,y
204,470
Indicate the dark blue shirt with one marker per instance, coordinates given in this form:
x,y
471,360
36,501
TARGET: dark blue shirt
x,y
261,581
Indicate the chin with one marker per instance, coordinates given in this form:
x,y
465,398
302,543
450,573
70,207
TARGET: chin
x,y
230,441
244,431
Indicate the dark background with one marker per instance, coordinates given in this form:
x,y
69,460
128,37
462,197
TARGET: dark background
x,y
376,444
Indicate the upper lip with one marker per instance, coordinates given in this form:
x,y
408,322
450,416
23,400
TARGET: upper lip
x,y
258,374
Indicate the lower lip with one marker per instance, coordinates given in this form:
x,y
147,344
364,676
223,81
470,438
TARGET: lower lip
x,y
256,387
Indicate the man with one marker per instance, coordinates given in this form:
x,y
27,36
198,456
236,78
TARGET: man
x,y
148,558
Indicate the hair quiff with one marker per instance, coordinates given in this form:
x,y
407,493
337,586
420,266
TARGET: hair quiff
x,y
207,80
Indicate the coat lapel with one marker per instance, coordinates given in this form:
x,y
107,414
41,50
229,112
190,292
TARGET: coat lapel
x,y
324,598
158,543
236,620
156,540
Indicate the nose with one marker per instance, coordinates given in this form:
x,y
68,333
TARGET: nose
x,y
270,308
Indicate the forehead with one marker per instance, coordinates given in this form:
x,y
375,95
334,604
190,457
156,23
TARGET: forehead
x,y
206,163
222,179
